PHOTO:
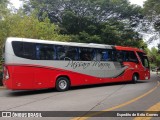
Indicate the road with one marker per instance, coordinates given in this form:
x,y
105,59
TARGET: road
x,y
143,96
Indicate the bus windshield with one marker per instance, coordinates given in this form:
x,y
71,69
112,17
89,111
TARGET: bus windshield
x,y
145,62
144,59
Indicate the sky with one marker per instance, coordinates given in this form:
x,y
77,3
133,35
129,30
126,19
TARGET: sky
x,y
138,2
16,3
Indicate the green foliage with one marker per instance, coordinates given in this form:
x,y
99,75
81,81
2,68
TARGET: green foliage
x,y
19,25
152,7
3,8
91,21
99,10
152,11
30,27
154,57
111,32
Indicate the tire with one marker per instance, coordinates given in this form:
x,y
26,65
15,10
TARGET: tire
x,y
134,78
62,84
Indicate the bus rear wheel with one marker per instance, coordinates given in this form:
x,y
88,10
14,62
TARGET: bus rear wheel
x,y
62,84
134,78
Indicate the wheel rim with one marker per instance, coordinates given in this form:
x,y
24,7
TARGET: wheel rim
x,y
62,84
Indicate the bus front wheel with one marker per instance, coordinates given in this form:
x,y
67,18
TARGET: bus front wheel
x,y
134,78
62,84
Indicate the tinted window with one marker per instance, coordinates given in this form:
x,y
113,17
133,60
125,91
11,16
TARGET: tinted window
x,y
120,56
98,55
103,55
132,57
24,49
18,48
28,50
71,53
60,52
45,52
112,55
126,56
86,54
66,53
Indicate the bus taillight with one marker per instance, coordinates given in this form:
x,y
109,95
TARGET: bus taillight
x,y
5,73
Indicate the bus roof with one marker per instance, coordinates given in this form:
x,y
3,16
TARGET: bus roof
x,y
91,45
128,48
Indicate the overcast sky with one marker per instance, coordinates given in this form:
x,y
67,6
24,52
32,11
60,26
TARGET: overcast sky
x,y
138,2
16,3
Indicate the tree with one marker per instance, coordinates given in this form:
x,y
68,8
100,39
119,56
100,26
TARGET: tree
x,y
19,25
155,57
91,20
151,7
152,13
101,10
3,8
3,13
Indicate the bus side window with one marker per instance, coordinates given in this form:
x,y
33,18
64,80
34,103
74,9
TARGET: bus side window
x,y
24,49
45,52
98,55
113,55
133,57
86,54
105,56
109,55
130,56
120,56
28,50
101,55
18,48
60,51
71,53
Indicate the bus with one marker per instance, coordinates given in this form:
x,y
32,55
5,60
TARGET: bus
x,y
31,64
